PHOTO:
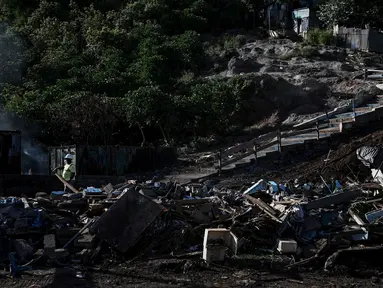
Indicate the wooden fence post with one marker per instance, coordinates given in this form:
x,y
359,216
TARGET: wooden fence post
x,y
340,126
279,141
255,153
220,161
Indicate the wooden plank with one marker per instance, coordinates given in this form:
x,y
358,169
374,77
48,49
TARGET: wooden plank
x,y
74,190
264,207
260,148
236,159
377,76
375,71
238,148
330,130
299,132
191,202
248,144
247,154
343,120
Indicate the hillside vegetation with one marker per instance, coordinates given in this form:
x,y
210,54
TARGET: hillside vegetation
x,y
115,71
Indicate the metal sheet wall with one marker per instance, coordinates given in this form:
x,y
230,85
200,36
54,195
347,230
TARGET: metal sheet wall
x,y
114,160
356,39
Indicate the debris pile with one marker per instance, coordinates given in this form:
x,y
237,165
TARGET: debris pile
x,y
311,224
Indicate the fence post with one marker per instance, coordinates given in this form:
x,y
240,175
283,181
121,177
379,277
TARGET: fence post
x,y
317,126
341,126
220,161
279,141
255,149
365,74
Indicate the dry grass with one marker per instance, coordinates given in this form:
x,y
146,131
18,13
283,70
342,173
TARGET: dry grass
x,y
269,122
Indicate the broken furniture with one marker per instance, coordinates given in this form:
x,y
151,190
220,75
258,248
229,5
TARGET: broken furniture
x,y
215,243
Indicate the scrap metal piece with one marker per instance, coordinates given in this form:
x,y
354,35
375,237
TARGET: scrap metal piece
x,y
125,221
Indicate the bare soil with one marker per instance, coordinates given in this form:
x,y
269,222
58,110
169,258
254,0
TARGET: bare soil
x,y
168,273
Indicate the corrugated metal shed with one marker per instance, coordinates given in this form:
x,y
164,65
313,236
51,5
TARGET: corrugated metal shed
x,y
113,160
368,40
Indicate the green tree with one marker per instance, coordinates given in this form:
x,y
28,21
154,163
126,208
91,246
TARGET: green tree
x,y
354,13
93,68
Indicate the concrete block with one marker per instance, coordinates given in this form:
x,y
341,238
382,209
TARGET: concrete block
x,y
50,245
85,241
50,242
287,246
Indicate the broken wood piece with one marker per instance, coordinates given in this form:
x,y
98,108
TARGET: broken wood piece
x,y
334,199
303,262
192,202
356,218
108,188
264,207
74,190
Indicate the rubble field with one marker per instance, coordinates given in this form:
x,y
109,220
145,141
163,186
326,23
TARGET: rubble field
x,y
313,219
288,227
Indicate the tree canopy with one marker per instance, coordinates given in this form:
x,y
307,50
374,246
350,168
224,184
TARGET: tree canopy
x,y
111,71
353,13
102,71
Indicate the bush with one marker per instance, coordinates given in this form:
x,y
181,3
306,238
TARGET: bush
x,y
233,42
308,52
320,37
305,51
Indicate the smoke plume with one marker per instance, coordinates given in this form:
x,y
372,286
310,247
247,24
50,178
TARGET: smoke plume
x,y
34,156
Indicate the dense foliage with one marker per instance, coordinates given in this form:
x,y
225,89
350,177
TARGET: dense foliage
x,y
352,13
104,71
123,71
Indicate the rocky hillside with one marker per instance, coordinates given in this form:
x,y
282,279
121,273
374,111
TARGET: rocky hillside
x,y
297,80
